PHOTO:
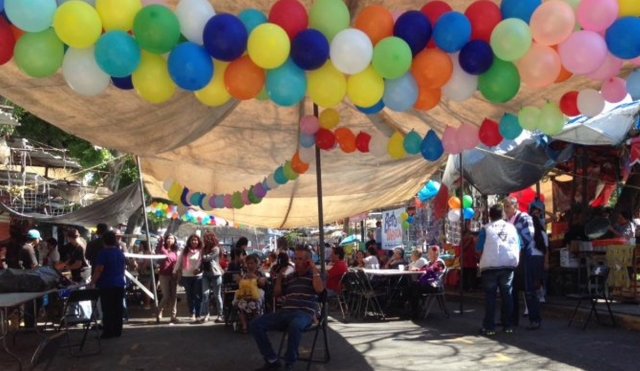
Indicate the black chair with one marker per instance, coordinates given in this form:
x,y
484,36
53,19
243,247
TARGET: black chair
x,y
316,329
370,296
229,288
437,295
596,290
339,298
89,322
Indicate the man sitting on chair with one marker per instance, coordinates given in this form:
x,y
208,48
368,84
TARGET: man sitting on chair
x,y
299,311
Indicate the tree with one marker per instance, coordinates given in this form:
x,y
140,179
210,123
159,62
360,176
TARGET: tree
x,y
109,168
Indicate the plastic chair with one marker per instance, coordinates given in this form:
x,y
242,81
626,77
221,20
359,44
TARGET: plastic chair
x,y
595,290
88,322
438,295
316,329
229,288
370,296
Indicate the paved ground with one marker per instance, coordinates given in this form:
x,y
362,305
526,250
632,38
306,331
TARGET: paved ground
x,y
432,344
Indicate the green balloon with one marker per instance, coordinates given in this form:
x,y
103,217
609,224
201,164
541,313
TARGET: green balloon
x,y
551,120
329,17
252,197
288,171
405,225
391,57
236,200
500,83
511,39
156,28
467,201
529,118
39,54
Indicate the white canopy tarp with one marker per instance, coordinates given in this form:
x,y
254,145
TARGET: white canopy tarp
x,y
229,148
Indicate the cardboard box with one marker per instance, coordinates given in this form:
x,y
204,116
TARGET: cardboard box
x,y
568,259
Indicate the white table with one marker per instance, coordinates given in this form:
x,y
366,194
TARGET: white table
x,y
391,272
14,299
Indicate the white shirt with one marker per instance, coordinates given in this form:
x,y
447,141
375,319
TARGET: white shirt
x,y
420,263
371,262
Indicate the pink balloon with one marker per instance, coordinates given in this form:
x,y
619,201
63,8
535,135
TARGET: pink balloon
x,y
597,15
583,52
609,68
552,22
450,140
227,201
614,90
309,125
467,136
540,66
244,196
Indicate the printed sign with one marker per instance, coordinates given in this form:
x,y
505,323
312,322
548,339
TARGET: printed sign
x,y
391,228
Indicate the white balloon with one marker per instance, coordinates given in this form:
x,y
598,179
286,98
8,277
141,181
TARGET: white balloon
x,y
271,182
166,185
590,102
454,215
307,155
461,85
82,73
351,51
378,144
193,16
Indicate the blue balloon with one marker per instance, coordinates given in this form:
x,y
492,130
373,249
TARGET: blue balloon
x,y
117,53
633,85
373,109
190,66
309,49
219,201
476,57
431,147
265,185
307,140
468,213
522,9
452,31
1,5
414,28
279,176
410,219
622,37
400,94
287,84
252,18
509,126
225,37
123,83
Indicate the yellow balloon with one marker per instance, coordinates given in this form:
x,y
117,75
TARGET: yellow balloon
x,y
395,146
77,24
118,14
329,118
215,94
628,8
365,89
268,46
326,86
175,192
151,80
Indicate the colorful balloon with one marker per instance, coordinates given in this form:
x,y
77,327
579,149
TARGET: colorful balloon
x,y
411,143
291,15
521,9
329,118
156,29
39,54
621,37
346,140
452,31
614,90
329,17
528,117
597,15
414,28
483,15
82,74
287,84
569,103
243,78
511,39
325,139
510,127
225,37
193,16
400,94
551,120
326,86
552,22
215,93
362,142
540,66
454,202
117,53
590,102
190,66
376,21
395,147
309,125
583,52
391,57
30,16
489,133
500,83
432,68
476,57
431,146
309,49
427,98
151,80
366,88
252,18
351,51
119,14
77,24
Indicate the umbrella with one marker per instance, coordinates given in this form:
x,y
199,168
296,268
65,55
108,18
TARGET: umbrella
x,y
350,239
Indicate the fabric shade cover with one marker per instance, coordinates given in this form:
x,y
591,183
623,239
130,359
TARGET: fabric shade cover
x,y
228,148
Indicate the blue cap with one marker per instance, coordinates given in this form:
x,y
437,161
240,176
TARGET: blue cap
x,y
33,234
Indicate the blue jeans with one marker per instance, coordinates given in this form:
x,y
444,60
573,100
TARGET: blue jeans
x,y
193,289
533,275
211,286
493,279
292,321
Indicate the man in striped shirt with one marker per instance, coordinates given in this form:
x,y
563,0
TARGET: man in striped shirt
x,y
299,310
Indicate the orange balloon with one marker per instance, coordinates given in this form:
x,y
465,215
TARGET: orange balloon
x,y
564,74
243,78
427,98
432,68
346,139
376,21
299,166
454,203
16,32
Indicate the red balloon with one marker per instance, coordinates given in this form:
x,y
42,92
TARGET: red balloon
x,y
484,15
7,41
489,133
362,142
325,139
569,103
433,10
291,15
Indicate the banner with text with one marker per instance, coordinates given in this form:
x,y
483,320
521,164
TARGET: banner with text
x,y
392,228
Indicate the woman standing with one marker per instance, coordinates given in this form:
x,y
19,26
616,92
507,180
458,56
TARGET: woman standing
x,y
211,276
189,274
109,278
168,283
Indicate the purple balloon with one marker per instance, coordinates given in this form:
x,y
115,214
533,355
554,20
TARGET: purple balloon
x,y
259,191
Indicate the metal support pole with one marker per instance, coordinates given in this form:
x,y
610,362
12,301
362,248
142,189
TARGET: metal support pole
x,y
146,228
461,235
323,267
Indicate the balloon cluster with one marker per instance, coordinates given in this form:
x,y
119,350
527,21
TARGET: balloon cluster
x,y
460,209
404,62
406,219
162,210
198,217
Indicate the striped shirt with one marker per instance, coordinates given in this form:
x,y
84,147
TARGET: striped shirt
x,y
301,295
